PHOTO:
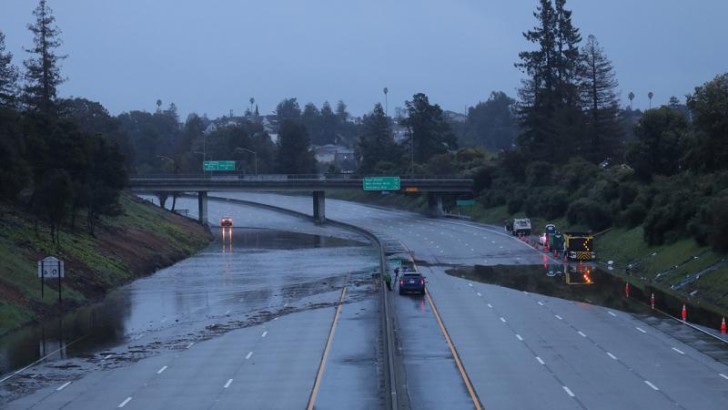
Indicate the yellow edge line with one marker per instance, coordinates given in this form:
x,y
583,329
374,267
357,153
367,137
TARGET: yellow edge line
x,y
464,375
320,374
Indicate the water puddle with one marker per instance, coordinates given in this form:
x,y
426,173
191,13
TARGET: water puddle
x,y
583,282
271,239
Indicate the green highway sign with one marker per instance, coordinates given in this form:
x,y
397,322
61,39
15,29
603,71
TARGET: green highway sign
x,y
464,202
381,184
218,165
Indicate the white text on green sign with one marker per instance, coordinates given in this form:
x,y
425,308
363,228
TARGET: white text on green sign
x,y
381,184
219,165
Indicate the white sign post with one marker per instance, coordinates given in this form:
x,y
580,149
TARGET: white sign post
x,y
50,267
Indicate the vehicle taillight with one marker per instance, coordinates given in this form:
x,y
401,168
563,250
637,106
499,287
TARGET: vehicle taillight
x,y
401,282
422,282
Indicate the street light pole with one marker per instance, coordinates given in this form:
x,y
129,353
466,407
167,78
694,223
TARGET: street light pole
x,y
255,157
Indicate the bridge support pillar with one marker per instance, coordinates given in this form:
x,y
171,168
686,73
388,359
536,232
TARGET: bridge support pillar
x,y
202,206
319,206
434,202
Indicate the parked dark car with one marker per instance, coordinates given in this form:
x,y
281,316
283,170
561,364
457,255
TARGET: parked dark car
x,y
412,282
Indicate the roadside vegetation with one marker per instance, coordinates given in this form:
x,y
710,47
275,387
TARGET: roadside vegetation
x,y
140,240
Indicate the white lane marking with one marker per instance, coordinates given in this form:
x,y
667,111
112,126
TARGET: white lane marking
x,y
470,284
503,320
123,403
139,337
519,337
160,371
540,360
490,306
479,294
228,383
647,382
526,292
275,318
612,356
540,303
678,350
568,391
63,386
611,313
163,320
107,356
723,376
248,356
264,333
190,345
559,317
582,334
228,311
640,329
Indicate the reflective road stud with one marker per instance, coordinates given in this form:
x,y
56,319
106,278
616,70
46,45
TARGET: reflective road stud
x,y
684,313
626,289
652,301
723,327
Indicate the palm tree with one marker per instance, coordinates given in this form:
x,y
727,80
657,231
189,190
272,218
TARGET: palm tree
x,y
631,97
650,95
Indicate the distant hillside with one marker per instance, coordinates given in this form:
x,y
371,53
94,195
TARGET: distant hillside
x,y
142,240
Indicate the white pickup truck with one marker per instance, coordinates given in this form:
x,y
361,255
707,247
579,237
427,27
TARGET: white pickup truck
x,y
519,226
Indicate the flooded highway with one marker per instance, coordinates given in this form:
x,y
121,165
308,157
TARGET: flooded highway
x,y
266,265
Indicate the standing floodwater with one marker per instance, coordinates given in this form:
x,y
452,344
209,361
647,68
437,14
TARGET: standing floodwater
x,y
247,272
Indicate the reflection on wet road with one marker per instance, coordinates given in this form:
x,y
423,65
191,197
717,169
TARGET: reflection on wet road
x,y
267,263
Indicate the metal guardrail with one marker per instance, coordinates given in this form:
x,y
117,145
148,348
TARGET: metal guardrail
x,y
276,182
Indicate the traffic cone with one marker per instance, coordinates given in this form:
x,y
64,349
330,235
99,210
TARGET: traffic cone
x,y
723,327
652,300
684,313
626,289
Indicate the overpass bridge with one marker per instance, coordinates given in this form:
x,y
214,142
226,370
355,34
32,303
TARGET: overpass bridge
x,y
318,185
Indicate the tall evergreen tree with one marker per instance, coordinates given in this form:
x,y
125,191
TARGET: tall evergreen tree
x,y
599,100
294,149
8,76
429,132
549,105
43,74
376,144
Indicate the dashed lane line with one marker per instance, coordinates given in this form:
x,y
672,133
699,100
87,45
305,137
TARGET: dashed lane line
x,y
568,391
264,333
647,382
63,386
248,355
612,356
540,361
229,382
641,330
678,350
125,402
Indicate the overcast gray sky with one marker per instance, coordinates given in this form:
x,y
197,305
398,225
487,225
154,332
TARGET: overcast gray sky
x,y
212,56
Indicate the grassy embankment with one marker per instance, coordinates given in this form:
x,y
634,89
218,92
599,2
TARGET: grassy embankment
x,y
662,267
138,242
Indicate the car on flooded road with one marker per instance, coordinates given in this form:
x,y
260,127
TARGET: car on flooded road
x,y
226,222
412,282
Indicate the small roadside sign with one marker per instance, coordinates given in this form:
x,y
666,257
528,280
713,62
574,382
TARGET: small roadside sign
x,y
51,267
381,184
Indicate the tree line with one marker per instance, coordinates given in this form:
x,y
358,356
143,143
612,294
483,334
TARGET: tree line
x,y
49,164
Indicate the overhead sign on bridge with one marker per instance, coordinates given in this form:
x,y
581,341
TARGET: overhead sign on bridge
x,y
381,184
218,165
